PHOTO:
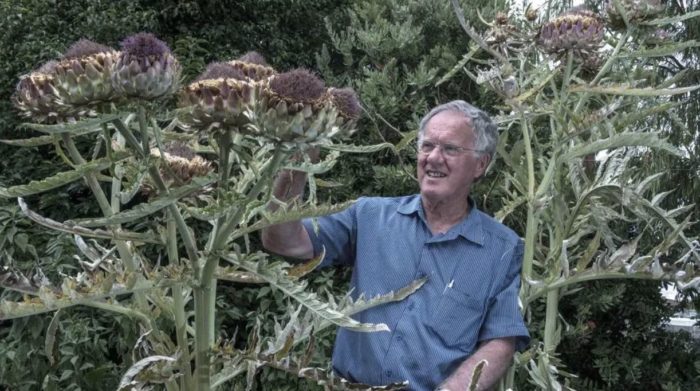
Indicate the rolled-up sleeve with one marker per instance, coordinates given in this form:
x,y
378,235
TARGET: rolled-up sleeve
x,y
504,317
336,233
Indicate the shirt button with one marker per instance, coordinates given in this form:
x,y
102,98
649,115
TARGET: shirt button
x,y
399,338
410,306
389,373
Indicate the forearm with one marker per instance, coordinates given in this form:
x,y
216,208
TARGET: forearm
x,y
288,239
498,354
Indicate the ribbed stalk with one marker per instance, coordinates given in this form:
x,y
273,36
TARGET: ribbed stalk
x,y
551,321
107,210
187,382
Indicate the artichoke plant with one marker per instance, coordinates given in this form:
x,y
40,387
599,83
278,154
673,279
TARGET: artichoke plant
x,y
144,259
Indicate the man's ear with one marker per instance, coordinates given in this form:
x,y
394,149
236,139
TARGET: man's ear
x,y
482,164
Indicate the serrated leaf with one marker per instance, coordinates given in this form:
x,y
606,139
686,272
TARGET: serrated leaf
x,y
296,213
627,119
82,231
57,180
315,168
406,140
127,381
359,148
673,19
275,275
651,140
146,209
630,91
304,268
476,375
45,140
72,127
50,340
587,255
661,51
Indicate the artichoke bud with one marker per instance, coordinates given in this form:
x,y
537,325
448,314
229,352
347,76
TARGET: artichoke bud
x,y
253,66
217,103
531,13
83,76
636,11
345,102
146,68
294,100
577,29
35,97
178,164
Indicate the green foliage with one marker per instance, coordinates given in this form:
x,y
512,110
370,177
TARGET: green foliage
x,y
616,339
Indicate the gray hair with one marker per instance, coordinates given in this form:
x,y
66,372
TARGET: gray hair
x,y
485,130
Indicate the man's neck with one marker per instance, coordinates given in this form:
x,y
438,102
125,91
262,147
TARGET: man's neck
x,y
443,215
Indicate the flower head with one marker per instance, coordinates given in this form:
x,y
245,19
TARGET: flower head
x,y
635,10
253,66
577,29
83,76
35,97
346,102
146,68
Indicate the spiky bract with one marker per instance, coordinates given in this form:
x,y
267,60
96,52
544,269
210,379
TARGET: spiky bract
x,y
35,97
178,165
83,77
253,66
217,103
578,29
146,68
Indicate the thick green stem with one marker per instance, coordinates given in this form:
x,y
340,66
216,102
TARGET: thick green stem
x,y
531,227
266,177
107,209
187,382
551,321
203,334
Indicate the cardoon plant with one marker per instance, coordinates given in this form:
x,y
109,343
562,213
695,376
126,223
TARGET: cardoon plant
x,y
575,117
184,189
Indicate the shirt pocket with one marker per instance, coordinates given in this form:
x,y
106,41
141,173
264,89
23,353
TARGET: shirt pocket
x,y
457,318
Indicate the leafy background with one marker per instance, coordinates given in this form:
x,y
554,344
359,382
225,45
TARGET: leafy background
x,y
393,53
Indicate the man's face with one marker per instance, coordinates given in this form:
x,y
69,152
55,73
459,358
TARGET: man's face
x,y
444,178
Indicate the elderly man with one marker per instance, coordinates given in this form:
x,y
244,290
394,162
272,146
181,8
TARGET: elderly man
x,y
468,309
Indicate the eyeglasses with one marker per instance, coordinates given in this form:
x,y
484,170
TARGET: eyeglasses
x,y
427,146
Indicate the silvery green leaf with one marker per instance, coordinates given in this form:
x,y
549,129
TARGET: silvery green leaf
x,y
651,140
673,19
82,231
142,210
295,213
275,275
630,91
50,341
359,148
58,180
661,51
128,381
80,126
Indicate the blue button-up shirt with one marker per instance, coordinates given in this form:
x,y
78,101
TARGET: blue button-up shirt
x,y
471,294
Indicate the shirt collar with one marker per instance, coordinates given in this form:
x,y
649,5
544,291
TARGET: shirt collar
x,y
471,228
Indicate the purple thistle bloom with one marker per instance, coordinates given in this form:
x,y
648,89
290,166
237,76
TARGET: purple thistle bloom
x,y
84,48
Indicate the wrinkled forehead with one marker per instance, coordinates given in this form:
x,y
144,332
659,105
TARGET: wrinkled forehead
x,y
449,123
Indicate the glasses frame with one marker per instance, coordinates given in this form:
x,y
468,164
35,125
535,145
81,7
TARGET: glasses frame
x,y
446,149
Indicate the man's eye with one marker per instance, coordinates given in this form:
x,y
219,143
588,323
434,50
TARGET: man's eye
x,y
450,149
427,147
